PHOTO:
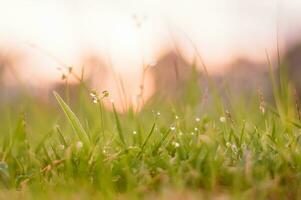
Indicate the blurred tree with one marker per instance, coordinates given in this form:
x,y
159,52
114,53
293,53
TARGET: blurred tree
x,y
171,74
292,60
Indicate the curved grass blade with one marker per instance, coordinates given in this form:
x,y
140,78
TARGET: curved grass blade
x,y
74,121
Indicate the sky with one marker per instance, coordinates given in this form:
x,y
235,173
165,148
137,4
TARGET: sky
x,y
128,33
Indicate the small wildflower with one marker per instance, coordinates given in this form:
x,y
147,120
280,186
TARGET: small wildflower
x,y
192,133
197,119
134,132
177,117
196,129
79,145
222,119
158,113
105,93
228,144
173,128
94,96
95,100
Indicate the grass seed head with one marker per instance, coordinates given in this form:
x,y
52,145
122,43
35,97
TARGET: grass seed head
x,y
105,93
261,102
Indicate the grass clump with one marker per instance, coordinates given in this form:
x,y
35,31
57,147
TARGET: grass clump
x,y
190,148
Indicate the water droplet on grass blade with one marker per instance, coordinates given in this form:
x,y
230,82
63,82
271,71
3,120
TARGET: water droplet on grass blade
x,y
172,128
79,145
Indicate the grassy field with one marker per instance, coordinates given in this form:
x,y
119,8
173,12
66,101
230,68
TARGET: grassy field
x,y
199,146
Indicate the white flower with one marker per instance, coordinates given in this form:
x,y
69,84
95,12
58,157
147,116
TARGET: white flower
x,y
173,128
94,97
95,100
177,117
197,119
134,132
158,113
196,129
222,119
79,145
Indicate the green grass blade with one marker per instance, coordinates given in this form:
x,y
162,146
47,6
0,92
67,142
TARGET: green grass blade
x,y
74,121
160,143
148,136
61,137
118,125
42,142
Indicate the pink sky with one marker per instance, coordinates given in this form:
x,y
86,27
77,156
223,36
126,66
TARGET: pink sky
x,y
221,29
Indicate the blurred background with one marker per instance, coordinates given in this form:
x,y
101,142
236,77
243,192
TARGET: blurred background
x,y
144,47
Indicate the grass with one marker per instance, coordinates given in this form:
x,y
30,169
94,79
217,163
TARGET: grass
x,y
190,148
